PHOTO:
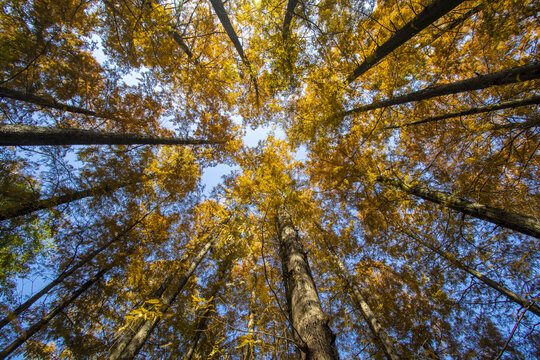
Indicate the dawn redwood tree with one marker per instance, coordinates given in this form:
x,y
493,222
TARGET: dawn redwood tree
x,y
525,224
20,135
333,77
309,324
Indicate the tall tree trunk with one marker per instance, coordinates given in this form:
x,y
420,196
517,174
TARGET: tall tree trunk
x,y
48,103
221,13
291,5
378,333
527,304
178,39
314,338
525,224
250,348
429,15
49,316
30,207
85,260
129,346
504,77
19,135
477,110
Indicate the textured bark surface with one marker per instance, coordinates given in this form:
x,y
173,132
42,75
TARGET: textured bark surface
x,y
291,5
478,110
504,77
512,296
49,316
310,328
378,333
49,103
430,14
18,135
525,224
130,345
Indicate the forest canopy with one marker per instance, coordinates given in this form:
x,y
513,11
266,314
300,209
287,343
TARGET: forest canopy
x,y
391,212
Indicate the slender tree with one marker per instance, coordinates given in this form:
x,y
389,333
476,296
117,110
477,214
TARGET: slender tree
x,y
314,338
41,323
512,296
503,77
130,345
476,110
430,14
30,207
525,224
68,272
19,135
50,103
289,13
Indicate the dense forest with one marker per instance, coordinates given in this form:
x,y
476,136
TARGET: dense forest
x,y
390,211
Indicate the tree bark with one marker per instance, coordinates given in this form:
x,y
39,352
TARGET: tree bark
x,y
504,77
521,301
477,110
314,338
378,333
30,207
250,349
20,135
219,9
291,5
129,346
85,260
525,224
49,316
430,14
48,103
178,39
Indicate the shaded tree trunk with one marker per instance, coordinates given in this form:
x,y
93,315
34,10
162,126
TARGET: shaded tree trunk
x,y
49,103
49,316
219,9
429,15
178,39
378,333
19,135
30,207
504,77
129,346
477,110
250,349
525,224
314,338
527,304
291,5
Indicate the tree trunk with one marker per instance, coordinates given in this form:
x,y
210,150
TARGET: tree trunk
x,y
178,39
504,77
525,224
129,346
202,324
19,135
477,110
378,333
47,103
429,15
28,208
314,338
291,5
48,317
229,29
24,306
535,309
250,349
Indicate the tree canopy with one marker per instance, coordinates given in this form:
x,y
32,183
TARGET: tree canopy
x,y
391,212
